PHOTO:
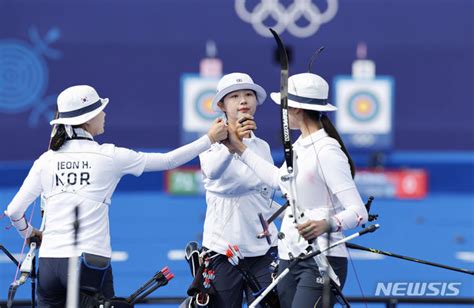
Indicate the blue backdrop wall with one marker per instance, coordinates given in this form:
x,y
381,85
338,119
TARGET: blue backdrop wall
x,y
134,52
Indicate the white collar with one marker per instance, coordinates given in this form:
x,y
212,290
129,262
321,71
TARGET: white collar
x,y
312,138
82,133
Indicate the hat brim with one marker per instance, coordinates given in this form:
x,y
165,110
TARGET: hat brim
x,y
261,94
83,118
328,107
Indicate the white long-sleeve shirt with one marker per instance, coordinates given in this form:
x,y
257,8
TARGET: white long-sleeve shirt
x,y
84,173
235,196
324,188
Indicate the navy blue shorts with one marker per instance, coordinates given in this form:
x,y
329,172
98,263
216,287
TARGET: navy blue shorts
x,y
229,284
303,286
52,282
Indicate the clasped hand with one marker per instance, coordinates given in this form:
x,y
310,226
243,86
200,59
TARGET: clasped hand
x,y
313,228
39,236
237,131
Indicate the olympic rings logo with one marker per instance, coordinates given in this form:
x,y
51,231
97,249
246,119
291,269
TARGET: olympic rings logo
x,y
286,18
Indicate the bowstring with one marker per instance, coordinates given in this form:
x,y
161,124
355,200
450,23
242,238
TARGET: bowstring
x,y
24,243
357,277
53,130
334,209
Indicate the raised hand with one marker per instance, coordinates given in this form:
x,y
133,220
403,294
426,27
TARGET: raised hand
x,y
244,125
234,141
218,131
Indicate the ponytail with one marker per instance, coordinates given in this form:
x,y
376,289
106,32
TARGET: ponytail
x,y
332,132
58,138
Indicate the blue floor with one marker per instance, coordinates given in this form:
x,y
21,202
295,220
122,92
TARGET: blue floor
x,y
147,226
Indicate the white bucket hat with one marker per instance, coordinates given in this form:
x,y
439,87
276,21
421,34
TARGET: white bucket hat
x,y
78,104
234,82
307,91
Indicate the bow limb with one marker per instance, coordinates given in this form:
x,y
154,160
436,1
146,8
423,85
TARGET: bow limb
x,y
285,127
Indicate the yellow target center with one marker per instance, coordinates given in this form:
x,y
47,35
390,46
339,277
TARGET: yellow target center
x,y
207,105
364,106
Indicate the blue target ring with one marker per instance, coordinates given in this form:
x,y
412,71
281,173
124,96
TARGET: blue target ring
x,y
203,105
363,106
23,76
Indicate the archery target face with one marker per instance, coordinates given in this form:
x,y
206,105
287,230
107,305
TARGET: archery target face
x,y
196,97
364,106
203,104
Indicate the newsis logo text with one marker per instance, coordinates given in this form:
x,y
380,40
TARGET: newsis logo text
x,y
417,289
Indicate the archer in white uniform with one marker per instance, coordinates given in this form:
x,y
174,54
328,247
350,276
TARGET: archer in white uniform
x,y
77,171
325,190
235,196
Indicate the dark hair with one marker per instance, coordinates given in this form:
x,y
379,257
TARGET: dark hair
x,y
332,132
59,137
